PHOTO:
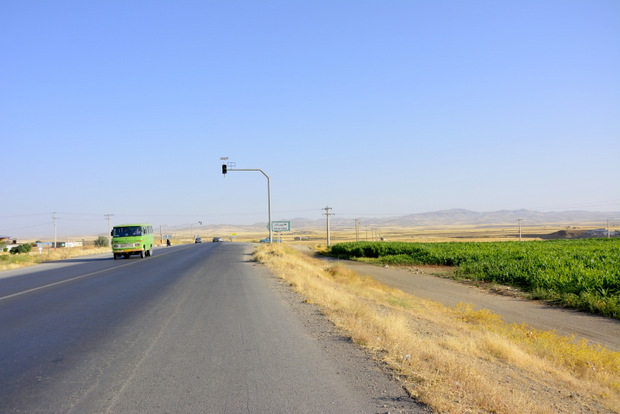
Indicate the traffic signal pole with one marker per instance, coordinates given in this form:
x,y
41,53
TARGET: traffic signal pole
x,y
225,169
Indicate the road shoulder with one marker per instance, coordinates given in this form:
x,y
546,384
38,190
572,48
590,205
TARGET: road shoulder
x,y
365,375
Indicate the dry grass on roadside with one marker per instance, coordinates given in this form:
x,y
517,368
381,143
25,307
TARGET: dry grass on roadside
x,y
9,261
456,360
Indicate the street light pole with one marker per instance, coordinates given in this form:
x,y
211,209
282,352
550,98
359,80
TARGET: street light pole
x,y
191,235
268,191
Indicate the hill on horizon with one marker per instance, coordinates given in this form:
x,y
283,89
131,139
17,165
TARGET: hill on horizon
x,y
468,217
452,217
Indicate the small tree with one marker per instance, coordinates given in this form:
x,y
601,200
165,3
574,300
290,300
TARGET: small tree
x,y
101,241
22,248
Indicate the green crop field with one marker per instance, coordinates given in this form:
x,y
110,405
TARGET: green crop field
x,y
582,274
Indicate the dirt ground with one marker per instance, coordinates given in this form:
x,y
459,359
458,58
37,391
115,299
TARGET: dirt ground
x,y
426,282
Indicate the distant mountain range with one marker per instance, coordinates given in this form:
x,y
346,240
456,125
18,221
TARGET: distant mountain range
x,y
443,218
472,218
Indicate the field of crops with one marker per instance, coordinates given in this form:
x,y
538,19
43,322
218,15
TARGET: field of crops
x,y
583,274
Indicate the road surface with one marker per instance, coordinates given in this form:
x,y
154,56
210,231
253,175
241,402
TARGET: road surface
x,y
193,329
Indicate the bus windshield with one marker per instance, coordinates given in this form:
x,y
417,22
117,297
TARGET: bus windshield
x,y
130,231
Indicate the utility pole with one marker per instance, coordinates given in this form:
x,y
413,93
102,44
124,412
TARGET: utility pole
x,y
608,230
519,228
161,235
54,230
357,230
328,213
109,229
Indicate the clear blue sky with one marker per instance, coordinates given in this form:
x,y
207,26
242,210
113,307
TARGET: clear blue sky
x,y
375,108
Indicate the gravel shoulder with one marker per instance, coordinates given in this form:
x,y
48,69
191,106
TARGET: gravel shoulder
x,y
422,281
365,375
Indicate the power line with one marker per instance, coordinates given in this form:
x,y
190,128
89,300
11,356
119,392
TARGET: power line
x,y
27,227
24,215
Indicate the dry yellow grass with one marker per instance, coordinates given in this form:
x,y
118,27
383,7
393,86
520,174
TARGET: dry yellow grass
x,y
32,258
438,233
456,360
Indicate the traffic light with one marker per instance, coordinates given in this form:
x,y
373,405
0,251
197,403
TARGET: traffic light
x,y
224,168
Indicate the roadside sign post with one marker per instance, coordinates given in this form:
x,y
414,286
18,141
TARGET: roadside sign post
x,y
279,227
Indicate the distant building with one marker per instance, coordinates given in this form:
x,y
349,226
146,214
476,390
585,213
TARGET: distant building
x,y
7,240
601,233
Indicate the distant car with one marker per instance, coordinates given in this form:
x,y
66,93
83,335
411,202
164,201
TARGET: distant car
x,y
198,240
217,239
265,240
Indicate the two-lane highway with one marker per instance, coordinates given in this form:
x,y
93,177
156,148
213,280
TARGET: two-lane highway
x,y
194,328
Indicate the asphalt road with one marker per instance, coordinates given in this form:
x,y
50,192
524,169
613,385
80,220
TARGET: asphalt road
x,y
193,329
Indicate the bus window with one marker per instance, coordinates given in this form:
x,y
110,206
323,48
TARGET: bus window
x,y
129,231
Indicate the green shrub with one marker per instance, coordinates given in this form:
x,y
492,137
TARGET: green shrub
x,y
101,241
22,248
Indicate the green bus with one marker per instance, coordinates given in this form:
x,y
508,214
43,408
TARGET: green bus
x,y
129,239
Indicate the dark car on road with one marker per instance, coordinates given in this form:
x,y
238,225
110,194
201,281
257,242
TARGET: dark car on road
x,y
217,239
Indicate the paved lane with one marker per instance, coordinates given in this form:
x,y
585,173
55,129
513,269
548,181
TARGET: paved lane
x,y
191,329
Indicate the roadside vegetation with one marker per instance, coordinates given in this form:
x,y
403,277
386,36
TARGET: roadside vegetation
x,y
582,274
459,359
101,241
33,257
24,257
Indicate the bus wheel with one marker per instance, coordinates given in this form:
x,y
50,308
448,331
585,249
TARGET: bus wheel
x,y
115,256
142,254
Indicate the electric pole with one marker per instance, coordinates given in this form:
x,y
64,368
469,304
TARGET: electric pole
x,y
109,229
54,230
327,214
519,228
357,230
